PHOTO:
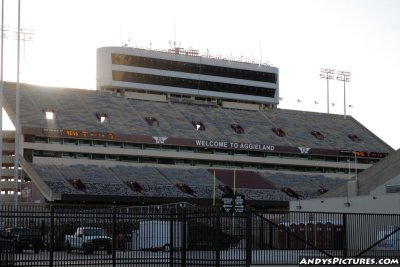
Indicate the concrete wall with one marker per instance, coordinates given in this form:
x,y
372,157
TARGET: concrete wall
x,y
380,204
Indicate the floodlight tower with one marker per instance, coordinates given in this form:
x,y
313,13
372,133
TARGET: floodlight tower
x,y
328,74
345,77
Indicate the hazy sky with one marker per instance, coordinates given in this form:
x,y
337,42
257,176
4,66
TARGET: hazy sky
x,y
297,36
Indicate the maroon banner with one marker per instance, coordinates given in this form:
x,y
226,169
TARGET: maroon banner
x,y
217,144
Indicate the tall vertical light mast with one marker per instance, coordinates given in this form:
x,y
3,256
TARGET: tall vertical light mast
x,y
328,74
344,76
1,90
17,100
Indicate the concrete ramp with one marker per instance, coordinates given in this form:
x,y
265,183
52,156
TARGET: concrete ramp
x,y
373,177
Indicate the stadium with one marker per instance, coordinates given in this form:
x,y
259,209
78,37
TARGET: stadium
x,y
194,148
176,126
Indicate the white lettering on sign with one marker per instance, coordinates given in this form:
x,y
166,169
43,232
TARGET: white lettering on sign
x,y
234,145
210,143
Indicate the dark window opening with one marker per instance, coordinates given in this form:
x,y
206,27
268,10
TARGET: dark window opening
x,y
279,132
135,186
198,125
185,188
102,117
152,121
237,128
78,184
354,138
290,192
225,189
322,190
318,135
204,69
29,138
192,84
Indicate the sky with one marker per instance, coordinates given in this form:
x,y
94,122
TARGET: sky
x,y
298,36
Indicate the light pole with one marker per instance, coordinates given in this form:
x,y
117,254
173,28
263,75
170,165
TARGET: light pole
x,y
17,102
1,91
348,161
25,36
355,164
328,74
344,76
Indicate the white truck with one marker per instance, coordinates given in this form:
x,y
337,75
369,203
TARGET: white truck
x,y
89,239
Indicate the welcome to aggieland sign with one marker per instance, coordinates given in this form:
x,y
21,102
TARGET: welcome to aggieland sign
x,y
234,145
218,144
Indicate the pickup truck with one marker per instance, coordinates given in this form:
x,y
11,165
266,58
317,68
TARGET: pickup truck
x,y
24,239
89,239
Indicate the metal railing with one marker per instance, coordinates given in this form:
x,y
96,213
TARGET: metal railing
x,y
185,235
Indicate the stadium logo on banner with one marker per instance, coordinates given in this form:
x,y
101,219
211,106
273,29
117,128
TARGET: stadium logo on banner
x,y
160,140
304,150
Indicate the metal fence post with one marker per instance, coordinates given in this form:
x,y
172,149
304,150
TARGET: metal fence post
x,y
183,256
344,235
171,238
114,239
248,237
217,236
51,247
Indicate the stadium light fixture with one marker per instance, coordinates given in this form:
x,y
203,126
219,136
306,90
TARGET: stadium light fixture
x,y
345,77
328,74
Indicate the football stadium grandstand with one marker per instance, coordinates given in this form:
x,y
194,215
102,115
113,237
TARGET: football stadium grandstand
x,y
176,126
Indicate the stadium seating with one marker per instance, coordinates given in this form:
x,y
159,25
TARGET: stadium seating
x,y
55,180
162,182
79,110
76,109
307,186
